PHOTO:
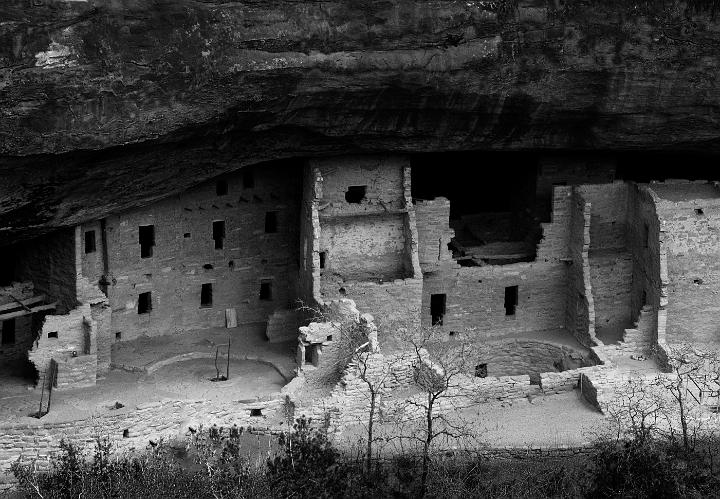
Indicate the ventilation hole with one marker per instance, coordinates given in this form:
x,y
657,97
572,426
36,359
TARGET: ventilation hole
x,y
256,413
231,264
118,336
186,235
698,281
329,338
126,433
699,212
208,266
342,291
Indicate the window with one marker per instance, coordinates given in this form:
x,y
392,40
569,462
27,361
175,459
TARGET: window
x,y
144,303
309,354
206,295
699,212
511,300
118,336
323,258
53,334
355,193
271,222
147,240
90,246
266,290
221,187
437,308
8,332
481,371
248,179
186,235
218,228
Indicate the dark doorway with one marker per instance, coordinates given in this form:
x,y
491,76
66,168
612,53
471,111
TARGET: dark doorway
x,y
206,295
90,245
437,308
266,290
218,228
511,300
147,240
8,332
271,222
144,303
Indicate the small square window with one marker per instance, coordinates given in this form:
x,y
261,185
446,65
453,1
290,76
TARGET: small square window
x,y
144,305
271,222
266,290
355,193
90,246
53,334
118,336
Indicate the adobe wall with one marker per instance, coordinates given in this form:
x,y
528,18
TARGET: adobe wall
x,y
644,242
555,171
434,232
609,221
382,175
59,337
391,303
93,264
580,304
49,262
309,273
692,242
364,248
475,295
184,246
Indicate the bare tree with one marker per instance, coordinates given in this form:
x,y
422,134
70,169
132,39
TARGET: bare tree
x,y
694,375
440,372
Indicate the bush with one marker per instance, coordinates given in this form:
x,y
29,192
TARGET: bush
x,y
650,468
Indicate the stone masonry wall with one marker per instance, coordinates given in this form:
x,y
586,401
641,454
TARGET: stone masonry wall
x,y
382,176
185,257
364,248
132,428
475,295
692,241
434,233
580,305
608,228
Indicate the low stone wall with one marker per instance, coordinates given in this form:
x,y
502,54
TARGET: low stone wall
x,y
132,429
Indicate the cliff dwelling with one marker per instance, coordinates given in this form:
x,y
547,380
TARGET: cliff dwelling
x,y
238,214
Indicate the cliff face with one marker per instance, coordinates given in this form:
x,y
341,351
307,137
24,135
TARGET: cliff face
x,y
108,104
